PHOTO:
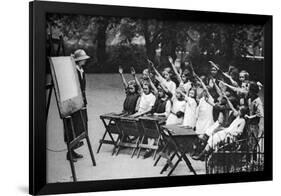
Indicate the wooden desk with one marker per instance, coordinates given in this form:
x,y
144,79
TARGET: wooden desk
x,y
182,139
109,120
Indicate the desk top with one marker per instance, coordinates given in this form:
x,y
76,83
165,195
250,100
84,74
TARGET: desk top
x,y
159,119
111,115
176,130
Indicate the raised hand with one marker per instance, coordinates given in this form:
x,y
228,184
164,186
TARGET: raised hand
x,y
214,65
197,77
120,69
181,92
223,94
170,59
133,72
157,78
221,83
226,75
150,63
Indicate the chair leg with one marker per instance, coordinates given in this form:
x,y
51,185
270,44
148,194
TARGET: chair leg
x,y
139,150
160,154
157,144
101,141
188,164
118,145
137,145
115,145
167,164
174,167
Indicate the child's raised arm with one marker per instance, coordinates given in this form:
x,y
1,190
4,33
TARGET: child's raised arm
x,y
123,78
203,85
133,72
175,70
236,89
230,104
218,89
164,87
214,65
233,82
155,70
155,90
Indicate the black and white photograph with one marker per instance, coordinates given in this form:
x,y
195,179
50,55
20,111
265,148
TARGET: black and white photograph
x,y
138,98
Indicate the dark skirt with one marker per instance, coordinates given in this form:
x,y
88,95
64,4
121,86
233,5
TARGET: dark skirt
x,y
80,124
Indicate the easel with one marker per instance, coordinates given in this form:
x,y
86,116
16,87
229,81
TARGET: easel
x,y
53,52
68,123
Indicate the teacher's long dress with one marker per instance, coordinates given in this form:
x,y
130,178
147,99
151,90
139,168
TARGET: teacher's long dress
x,y
204,116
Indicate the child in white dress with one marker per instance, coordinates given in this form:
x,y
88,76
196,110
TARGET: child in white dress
x,y
189,120
204,111
178,108
147,98
204,114
235,129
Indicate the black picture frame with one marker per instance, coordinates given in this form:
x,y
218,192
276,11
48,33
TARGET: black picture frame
x,y
37,97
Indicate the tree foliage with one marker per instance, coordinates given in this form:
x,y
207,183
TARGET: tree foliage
x,y
112,41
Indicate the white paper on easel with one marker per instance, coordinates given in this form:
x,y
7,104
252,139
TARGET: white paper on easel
x,y
65,78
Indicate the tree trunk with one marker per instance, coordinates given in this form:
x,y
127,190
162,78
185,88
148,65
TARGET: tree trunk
x,y
150,47
101,42
229,53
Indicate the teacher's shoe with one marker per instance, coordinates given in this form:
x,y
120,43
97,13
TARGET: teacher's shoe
x,y
68,157
78,145
76,155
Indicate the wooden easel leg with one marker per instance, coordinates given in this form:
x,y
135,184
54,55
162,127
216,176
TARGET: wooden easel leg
x,y
69,151
49,99
91,150
88,140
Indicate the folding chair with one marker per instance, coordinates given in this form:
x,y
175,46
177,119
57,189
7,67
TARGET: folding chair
x,y
130,128
151,130
110,124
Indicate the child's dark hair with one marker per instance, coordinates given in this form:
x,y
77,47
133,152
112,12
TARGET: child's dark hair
x,y
148,85
134,83
195,91
254,88
246,74
243,111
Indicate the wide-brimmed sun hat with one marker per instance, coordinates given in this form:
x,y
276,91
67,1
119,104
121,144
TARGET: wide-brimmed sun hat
x,y
80,55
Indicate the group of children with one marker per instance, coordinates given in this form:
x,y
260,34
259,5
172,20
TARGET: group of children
x,y
217,106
